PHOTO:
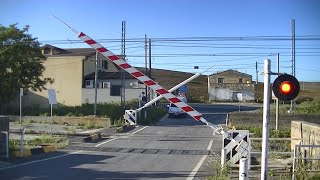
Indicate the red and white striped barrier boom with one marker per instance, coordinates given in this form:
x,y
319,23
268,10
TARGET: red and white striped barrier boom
x,y
145,79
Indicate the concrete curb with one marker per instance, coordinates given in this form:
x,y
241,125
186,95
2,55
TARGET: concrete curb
x,y
46,132
123,128
91,138
96,136
42,149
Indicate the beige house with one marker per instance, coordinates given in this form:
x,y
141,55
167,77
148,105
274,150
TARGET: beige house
x,y
230,85
73,72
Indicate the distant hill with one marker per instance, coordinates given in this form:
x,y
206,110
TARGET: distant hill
x,y
198,88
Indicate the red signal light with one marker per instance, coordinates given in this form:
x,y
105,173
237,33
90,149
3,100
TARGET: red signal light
x,y
286,87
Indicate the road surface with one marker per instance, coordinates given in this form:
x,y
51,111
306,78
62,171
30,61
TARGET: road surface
x,y
171,149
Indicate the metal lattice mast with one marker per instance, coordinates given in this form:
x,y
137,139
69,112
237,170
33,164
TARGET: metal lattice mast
x,y
293,47
293,56
123,75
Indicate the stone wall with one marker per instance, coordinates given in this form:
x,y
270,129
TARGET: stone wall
x,y
310,135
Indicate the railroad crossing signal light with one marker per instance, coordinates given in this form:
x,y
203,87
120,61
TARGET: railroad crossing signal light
x,y
286,87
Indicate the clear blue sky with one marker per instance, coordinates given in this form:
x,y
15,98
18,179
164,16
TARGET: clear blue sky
x,y
101,19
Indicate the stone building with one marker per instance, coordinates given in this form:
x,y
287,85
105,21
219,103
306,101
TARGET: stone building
x,y
230,85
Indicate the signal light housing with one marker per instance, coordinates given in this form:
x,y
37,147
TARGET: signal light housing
x,y
286,87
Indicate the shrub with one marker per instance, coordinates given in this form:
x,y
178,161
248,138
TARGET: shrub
x,y
153,115
312,107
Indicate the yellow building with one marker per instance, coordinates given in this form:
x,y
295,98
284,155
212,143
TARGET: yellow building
x,y
73,72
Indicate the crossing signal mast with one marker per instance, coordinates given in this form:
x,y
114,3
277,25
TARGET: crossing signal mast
x,y
286,88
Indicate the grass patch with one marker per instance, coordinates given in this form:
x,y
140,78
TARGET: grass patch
x,y
220,173
55,141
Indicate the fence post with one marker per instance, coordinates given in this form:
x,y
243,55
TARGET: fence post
x,y
22,131
294,161
243,169
227,120
223,157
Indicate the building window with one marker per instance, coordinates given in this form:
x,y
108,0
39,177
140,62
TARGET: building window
x,y
105,65
46,51
88,83
220,80
115,90
240,81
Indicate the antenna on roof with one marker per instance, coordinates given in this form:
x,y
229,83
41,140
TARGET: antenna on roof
x,y
72,29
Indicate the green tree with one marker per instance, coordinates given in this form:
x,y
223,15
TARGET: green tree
x,y
21,64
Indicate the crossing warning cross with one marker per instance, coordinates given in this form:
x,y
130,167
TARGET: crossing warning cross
x,y
237,146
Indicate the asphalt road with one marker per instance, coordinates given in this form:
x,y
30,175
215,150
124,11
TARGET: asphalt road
x,y
171,149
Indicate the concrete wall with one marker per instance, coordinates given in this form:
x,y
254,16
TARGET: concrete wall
x,y
226,94
309,133
103,95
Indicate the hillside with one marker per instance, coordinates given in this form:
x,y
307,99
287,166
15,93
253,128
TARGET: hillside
x,y
198,87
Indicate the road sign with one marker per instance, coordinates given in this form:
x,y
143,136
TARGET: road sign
x,y
183,89
286,87
52,96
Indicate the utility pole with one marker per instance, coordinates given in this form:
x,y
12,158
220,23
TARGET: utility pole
x,y
149,73
123,75
257,82
277,100
145,60
95,85
293,57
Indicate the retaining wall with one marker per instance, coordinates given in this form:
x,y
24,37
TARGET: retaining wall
x,y
309,133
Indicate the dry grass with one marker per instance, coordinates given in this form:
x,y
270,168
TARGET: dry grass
x,y
168,79
84,121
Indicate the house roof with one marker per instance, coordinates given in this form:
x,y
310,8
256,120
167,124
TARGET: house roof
x,y
108,75
70,51
231,71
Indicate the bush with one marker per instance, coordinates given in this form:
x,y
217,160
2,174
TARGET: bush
x,y
153,115
312,107
196,99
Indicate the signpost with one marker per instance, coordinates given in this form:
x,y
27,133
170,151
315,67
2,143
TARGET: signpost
x,y
52,100
20,96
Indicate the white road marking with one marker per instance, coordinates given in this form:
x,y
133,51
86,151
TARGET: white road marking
x,y
118,138
105,142
32,162
195,169
140,130
210,145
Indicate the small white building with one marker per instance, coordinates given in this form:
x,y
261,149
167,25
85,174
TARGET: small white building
x,y
230,85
